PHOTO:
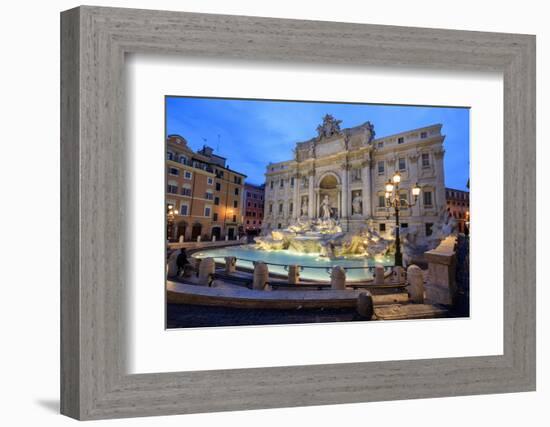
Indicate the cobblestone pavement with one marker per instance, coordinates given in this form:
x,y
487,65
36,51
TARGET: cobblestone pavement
x,y
194,316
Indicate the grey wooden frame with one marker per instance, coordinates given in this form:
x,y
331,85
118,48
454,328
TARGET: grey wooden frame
x,y
94,41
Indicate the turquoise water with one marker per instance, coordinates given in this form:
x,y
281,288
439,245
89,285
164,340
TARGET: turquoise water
x,y
314,266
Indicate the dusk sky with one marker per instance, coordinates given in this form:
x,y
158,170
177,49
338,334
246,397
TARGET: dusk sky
x,y
252,133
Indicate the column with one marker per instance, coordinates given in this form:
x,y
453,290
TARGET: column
x,y
296,198
343,211
440,199
310,208
286,209
366,190
317,204
340,202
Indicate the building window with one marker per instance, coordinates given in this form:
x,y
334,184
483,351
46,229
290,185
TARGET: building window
x,y
290,207
423,135
236,191
404,225
401,140
172,188
279,225
207,211
209,196
169,155
210,181
215,216
402,164
270,208
428,227
356,174
186,191
382,228
183,160
380,144
234,218
281,183
427,198
381,201
425,160
280,208
235,203
304,181
216,200
183,209
218,186
271,185
381,167
173,171
187,175
292,181
403,200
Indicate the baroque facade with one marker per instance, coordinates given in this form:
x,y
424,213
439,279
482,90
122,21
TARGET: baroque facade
x,y
346,170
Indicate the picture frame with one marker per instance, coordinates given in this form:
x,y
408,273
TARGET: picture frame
x,y
94,381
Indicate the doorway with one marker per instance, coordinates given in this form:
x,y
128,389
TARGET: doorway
x,y
196,231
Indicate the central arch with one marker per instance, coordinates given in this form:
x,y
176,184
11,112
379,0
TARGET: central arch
x,y
329,185
328,180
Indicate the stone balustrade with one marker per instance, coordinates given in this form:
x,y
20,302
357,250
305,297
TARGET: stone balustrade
x,y
441,284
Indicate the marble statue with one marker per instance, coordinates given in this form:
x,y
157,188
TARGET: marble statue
x,y
303,209
356,205
325,208
330,127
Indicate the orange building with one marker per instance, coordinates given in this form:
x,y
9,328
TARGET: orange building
x,y
458,206
206,197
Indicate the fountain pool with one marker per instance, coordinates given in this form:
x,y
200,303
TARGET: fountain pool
x,y
314,266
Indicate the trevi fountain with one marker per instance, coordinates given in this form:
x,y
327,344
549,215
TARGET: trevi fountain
x,y
320,243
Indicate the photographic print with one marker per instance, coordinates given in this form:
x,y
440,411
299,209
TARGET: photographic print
x,y
286,212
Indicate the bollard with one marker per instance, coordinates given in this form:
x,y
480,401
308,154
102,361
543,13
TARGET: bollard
x,y
198,238
171,266
261,275
379,275
213,237
197,265
294,274
230,264
415,278
206,269
226,238
398,275
365,306
338,278
181,239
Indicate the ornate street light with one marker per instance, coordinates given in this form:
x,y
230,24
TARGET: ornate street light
x,y
170,220
393,201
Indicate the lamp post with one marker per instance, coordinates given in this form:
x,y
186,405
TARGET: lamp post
x,y
393,201
170,219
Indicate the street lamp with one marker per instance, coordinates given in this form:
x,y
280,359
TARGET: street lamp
x,y
393,201
170,219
